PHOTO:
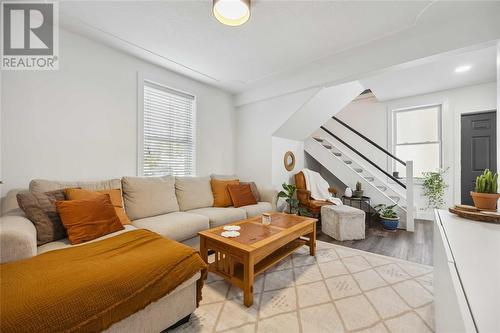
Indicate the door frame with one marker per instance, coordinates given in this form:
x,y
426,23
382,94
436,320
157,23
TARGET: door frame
x,y
457,195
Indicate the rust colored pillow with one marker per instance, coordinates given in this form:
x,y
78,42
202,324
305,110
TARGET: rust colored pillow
x,y
255,191
115,196
88,219
222,198
241,195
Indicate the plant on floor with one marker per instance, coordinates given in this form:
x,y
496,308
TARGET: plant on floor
x,y
385,211
434,185
289,194
388,216
486,194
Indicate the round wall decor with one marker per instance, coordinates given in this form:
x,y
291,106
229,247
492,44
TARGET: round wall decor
x,y
289,161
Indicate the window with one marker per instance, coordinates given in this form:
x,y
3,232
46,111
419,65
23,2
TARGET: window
x,y
417,137
168,132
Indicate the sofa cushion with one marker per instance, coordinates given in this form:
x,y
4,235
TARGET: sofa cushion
x,y
219,216
40,209
241,195
115,196
88,219
62,243
254,189
222,198
149,196
193,192
178,226
258,209
42,185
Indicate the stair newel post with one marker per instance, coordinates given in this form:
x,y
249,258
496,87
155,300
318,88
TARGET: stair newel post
x,y
410,205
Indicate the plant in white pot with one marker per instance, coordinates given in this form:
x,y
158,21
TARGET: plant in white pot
x,y
486,195
388,217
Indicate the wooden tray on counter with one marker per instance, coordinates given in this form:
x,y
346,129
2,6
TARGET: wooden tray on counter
x,y
468,212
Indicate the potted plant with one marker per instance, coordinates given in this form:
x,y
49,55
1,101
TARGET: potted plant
x,y
388,217
289,194
434,185
358,193
486,195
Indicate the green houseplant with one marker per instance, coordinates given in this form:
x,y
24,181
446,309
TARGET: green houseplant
x,y
288,193
358,193
388,216
486,195
434,186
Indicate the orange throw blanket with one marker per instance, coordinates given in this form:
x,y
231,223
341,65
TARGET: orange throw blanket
x,y
87,288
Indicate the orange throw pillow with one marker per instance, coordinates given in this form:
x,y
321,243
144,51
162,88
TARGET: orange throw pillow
x,y
115,195
222,198
241,195
88,219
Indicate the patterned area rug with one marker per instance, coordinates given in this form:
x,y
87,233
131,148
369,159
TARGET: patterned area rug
x,y
339,290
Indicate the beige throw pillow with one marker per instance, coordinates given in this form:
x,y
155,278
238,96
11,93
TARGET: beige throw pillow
x,y
43,185
193,192
149,196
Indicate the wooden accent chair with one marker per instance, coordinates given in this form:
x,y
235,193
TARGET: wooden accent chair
x,y
304,196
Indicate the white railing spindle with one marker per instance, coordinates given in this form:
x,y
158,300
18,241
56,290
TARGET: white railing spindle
x,y
410,204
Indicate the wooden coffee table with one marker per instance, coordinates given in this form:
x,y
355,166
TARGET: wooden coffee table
x,y
240,259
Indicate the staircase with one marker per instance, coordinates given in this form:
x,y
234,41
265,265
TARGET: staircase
x,y
350,166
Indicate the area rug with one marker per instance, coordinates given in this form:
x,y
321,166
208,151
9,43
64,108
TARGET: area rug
x,y
339,290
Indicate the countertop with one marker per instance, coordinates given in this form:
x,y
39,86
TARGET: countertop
x,y
475,248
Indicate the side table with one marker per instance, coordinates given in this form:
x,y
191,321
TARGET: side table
x,y
363,203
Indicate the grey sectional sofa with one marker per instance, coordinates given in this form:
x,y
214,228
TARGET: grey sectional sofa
x,y
177,208
174,207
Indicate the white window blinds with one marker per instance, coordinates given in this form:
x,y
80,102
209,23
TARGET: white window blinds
x,y
168,132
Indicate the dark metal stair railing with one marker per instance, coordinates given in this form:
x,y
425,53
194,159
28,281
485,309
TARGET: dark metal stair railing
x,y
366,158
368,139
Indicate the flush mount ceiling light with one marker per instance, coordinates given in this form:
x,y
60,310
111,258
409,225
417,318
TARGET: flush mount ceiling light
x,y
231,12
464,68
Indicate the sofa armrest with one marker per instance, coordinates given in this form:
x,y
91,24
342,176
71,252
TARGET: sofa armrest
x,y
17,238
269,195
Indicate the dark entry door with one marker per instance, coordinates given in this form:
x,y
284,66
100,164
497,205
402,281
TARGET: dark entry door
x,y
479,149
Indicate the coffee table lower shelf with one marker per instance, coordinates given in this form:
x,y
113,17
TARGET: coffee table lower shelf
x,y
237,275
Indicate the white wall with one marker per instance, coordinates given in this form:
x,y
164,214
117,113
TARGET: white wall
x,y
372,119
279,148
367,116
498,118
81,122
316,111
255,125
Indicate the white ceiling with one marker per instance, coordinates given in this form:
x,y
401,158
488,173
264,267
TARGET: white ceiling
x,y
281,39
280,36
434,75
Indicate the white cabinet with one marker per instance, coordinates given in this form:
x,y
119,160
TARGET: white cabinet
x,y
466,275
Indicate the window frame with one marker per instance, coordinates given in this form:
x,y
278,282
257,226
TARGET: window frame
x,y
439,140
141,80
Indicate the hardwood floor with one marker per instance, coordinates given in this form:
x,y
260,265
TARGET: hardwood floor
x,y
412,246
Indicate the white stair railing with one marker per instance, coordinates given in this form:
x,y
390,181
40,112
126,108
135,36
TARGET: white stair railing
x,y
410,205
